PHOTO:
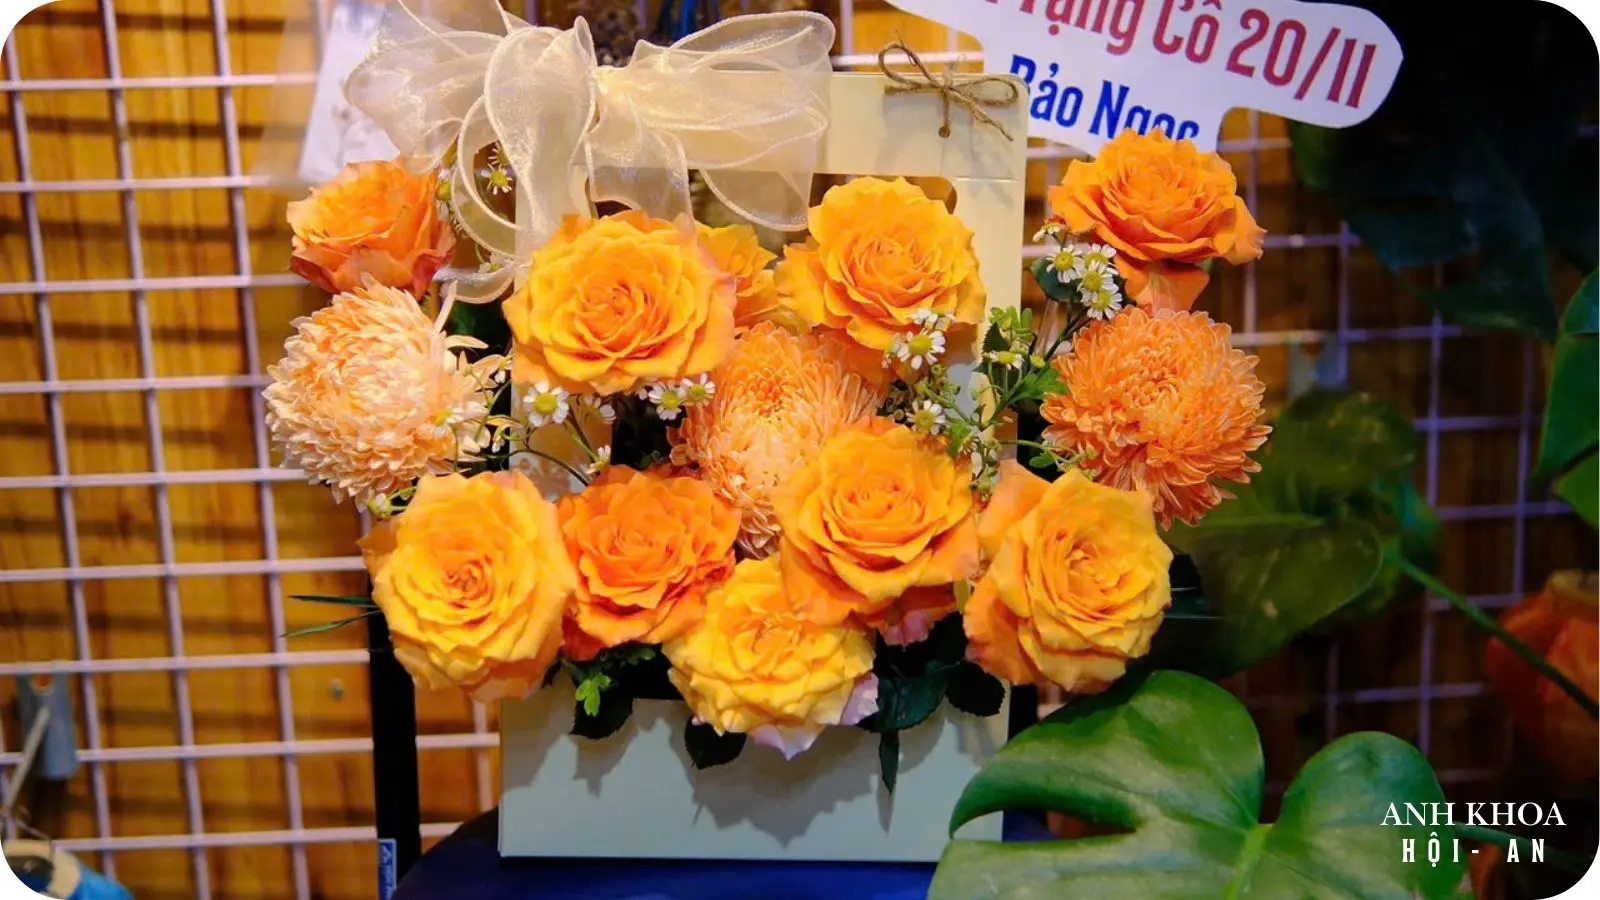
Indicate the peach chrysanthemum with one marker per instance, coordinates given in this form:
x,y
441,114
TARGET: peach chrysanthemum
x,y
1159,402
369,396
778,399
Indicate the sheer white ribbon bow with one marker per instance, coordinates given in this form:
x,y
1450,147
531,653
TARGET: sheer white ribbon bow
x,y
575,133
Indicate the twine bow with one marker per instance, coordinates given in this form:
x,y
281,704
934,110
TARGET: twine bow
x,y
745,102
967,93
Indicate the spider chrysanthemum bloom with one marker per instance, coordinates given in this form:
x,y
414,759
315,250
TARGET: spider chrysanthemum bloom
x,y
369,396
778,399
1160,402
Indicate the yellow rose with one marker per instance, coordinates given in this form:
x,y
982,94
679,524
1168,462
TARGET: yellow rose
x,y
876,513
879,252
1165,207
739,253
1077,581
473,581
757,665
614,302
374,218
647,548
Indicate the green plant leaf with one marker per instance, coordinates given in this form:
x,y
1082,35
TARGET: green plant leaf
x,y
1572,413
707,748
484,321
1318,529
354,600
329,626
590,690
1467,174
1050,284
1174,762
613,712
974,691
889,759
1581,488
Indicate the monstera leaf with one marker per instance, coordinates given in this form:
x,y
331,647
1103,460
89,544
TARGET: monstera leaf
x,y
1318,532
1468,172
1572,414
1175,760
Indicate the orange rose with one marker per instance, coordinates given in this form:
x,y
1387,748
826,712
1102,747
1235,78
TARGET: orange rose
x,y
473,581
876,513
1077,582
374,219
1165,207
615,302
757,665
647,548
739,253
879,252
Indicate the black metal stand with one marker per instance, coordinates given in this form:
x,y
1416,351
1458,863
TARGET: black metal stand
x,y
394,759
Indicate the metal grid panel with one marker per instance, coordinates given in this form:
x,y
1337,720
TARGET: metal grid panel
x,y
67,485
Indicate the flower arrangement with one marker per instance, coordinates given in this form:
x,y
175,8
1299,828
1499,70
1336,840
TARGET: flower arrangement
x,y
785,489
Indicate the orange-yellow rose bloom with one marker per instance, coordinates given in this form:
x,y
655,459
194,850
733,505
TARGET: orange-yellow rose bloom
x,y
756,664
473,581
877,512
879,252
374,218
738,252
614,302
1077,582
1165,207
647,548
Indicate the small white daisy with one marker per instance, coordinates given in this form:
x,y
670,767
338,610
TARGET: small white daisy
x,y
602,459
1064,262
1103,305
1096,256
696,392
920,348
923,317
667,399
1050,230
1092,282
498,178
1007,358
546,405
380,506
927,417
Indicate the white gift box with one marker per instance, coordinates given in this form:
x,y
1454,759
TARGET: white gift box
x,y
635,794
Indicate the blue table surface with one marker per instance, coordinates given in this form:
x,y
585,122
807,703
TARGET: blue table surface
x,y
467,864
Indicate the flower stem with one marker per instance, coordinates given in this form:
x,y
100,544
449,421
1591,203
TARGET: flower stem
x,y
1487,623
562,463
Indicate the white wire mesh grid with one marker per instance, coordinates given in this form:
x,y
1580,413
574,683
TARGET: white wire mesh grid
x,y
66,484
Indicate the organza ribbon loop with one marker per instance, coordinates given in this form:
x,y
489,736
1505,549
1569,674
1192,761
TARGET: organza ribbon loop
x,y
574,133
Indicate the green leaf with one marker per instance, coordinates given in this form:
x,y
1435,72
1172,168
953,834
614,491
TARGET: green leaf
x,y
484,321
974,691
1581,488
906,702
354,600
707,748
1468,173
589,692
1174,763
329,626
613,712
889,759
1050,284
1572,413
1316,530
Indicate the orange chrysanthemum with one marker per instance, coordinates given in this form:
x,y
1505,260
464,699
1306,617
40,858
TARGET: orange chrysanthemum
x,y
778,399
1160,402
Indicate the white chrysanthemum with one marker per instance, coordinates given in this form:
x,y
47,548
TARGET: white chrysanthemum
x,y
546,405
667,399
369,396
1096,257
696,392
927,417
921,348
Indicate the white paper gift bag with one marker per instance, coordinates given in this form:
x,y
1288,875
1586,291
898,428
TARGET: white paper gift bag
x,y
635,794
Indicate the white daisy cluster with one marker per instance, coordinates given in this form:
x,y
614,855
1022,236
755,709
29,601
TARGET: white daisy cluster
x,y
922,347
671,398
1086,268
